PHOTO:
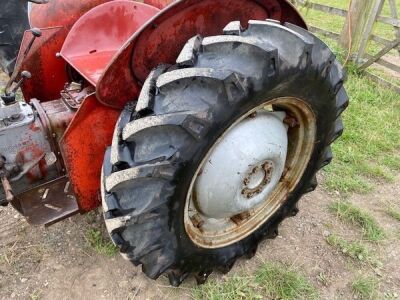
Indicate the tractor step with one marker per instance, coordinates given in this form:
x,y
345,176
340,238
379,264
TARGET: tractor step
x,y
47,204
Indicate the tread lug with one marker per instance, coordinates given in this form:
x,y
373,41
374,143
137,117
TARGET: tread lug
x,y
146,98
338,130
300,51
326,158
313,185
188,56
233,28
159,170
342,101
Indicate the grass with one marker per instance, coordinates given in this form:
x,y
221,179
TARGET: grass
x,y
368,150
355,216
99,244
283,282
355,250
272,281
234,288
335,23
365,287
394,213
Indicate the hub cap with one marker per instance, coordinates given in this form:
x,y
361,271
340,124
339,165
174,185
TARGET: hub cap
x,y
244,167
249,172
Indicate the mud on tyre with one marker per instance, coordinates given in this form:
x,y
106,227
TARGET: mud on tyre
x,y
162,145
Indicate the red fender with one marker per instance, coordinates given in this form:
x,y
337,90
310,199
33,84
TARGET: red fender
x,y
162,38
83,146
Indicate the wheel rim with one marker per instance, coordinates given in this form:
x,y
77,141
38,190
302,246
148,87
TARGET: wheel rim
x,y
211,225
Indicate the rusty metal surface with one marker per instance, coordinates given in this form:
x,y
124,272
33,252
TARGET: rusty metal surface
x,y
74,93
26,150
207,233
83,147
163,37
55,117
48,203
267,169
98,35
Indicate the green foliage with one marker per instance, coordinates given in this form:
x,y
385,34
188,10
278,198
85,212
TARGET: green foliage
x,y
368,147
283,282
354,215
355,250
368,150
99,244
394,213
272,281
233,288
365,287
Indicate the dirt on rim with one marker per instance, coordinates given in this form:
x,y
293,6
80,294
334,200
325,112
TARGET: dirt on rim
x,y
58,263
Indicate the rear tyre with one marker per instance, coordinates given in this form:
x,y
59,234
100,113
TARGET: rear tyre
x,y
164,144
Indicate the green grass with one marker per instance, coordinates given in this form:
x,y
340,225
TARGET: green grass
x,y
100,245
355,250
233,288
394,213
365,287
368,149
271,281
283,282
335,23
355,216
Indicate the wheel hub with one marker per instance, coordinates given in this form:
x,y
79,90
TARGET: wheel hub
x,y
244,166
249,172
258,179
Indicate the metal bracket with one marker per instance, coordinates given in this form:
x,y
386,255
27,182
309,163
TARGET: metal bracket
x,y
48,203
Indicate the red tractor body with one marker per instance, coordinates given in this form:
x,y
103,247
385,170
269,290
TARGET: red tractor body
x,y
109,47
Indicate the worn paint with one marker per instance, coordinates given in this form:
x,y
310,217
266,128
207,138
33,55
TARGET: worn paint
x,y
48,71
164,36
98,35
83,147
119,64
49,75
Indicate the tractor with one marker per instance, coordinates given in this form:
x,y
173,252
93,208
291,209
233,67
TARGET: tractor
x,y
196,125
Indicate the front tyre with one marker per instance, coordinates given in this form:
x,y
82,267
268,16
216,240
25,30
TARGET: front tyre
x,y
220,147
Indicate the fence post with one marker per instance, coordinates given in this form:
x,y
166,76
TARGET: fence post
x,y
373,15
358,25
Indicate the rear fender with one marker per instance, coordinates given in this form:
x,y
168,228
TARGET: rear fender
x,y
161,39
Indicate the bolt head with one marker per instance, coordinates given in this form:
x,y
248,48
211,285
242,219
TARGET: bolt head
x,y
36,32
26,75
